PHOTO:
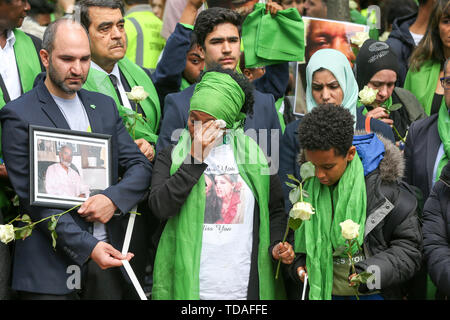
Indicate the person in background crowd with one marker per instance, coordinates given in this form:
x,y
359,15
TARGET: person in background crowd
x,y
316,8
436,234
426,151
158,7
392,10
427,60
143,28
377,68
329,79
407,31
234,258
195,63
38,17
88,236
359,171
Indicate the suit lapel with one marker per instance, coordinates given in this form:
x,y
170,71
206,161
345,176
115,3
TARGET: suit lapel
x,y
94,115
50,107
433,143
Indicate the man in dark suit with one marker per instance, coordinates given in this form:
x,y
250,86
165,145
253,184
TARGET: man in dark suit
x,y
426,149
424,146
114,74
218,31
39,272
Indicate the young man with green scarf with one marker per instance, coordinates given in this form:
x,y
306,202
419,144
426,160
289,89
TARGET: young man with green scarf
x,y
228,251
356,177
427,150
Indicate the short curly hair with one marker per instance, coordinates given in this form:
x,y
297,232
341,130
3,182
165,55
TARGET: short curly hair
x,y
208,19
243,82
327,126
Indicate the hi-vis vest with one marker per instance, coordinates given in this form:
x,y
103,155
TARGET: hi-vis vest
x,y
144,42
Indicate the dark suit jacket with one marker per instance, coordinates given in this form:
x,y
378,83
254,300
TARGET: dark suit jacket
x,y
37,267
421,149
176,112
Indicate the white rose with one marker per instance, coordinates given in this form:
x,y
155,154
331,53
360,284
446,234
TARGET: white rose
x,y
137,94
367,95
221,123
359,38
301,210
353,5
7,233
350,229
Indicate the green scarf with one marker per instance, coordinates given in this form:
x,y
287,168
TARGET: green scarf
x,y
219,95
321,235
272,39
177,262
423,83
280,114
99,82
444,134
27,61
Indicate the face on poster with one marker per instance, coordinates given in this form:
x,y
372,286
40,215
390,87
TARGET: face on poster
x,y
241,6
324,34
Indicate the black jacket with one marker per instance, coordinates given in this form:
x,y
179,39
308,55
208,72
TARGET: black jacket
x,y
393,238
168,194
436,232
402,43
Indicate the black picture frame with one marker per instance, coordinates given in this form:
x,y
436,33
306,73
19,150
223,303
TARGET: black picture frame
x,y
87,176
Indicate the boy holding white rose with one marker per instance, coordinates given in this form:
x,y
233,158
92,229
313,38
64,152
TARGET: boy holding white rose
x,y
365,221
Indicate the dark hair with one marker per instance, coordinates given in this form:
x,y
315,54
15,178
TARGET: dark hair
x,y
86,4
208,19
431,47
392,9
50,33
327,126
194,41
40,7
243,82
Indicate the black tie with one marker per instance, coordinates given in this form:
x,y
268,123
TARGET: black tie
x,y
114,82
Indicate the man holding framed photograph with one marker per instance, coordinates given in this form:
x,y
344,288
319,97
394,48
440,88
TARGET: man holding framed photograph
x,y
87,237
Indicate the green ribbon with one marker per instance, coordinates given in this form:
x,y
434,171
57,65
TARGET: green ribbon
x,y
273,39
444,134
217,94
146,129
177,262
320,235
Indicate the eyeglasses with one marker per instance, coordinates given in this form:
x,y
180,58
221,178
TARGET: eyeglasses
x,y
445,82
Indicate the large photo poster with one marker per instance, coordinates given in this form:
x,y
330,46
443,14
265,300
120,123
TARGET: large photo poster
x,y
321,34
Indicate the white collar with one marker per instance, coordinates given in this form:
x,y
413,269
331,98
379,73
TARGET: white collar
x,y
10,38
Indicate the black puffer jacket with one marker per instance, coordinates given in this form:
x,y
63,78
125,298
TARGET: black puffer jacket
x,y
436,232
393,237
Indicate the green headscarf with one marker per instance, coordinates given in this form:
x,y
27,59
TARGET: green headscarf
x,y
444,134
321,235
337,63
218,95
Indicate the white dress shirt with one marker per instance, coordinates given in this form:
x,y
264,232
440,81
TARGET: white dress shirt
x,y
9,71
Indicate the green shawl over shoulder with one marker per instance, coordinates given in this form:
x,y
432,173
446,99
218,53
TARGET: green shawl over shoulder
x,y
99,82
177,263
423,83
321,236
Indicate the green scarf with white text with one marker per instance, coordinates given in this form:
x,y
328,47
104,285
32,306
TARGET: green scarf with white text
x,y
320,236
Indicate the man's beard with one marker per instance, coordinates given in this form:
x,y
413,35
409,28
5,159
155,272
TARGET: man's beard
x,y
54,77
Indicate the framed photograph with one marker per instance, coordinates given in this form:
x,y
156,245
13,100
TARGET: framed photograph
x,y
321,34
67,166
